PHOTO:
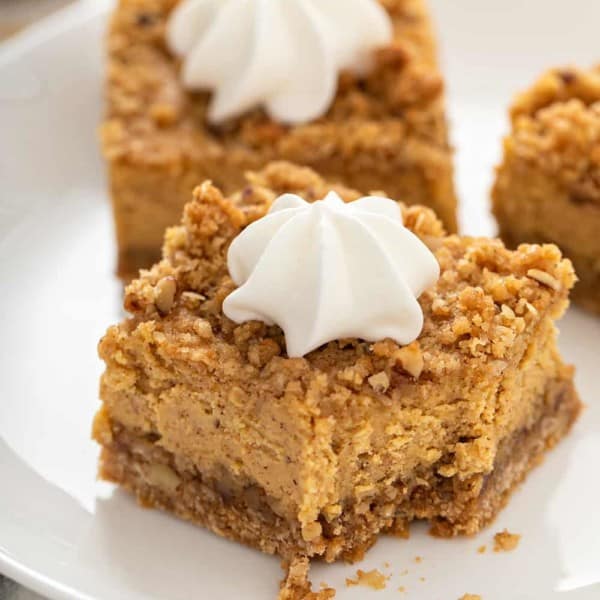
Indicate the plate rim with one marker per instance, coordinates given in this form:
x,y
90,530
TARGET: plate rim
x,y
34,580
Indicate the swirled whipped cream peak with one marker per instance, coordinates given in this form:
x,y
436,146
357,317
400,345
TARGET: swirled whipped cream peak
x,y
330,270
283,55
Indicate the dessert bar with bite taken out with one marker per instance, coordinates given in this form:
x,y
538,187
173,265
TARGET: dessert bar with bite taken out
x,y
350,419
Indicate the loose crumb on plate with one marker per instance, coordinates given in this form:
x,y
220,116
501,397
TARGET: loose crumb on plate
x,y
505,541
482,549
297,585
418,559
402,589
471,597
374,579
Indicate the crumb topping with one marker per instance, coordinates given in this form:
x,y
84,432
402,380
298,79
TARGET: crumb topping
x,y
485,298
556,128
152,119
558,86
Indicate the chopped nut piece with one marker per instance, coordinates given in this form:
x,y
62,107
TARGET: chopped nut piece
x,y
120,358
544,278
164,294
203,329
363,491
380,382
192,300
162,476
531,308
448,470
332,511
311,531
461,326
261,353
411,359
351,375
508,312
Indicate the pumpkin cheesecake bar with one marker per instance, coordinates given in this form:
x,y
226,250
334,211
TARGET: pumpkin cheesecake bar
x,y
547,187
384,129
317,455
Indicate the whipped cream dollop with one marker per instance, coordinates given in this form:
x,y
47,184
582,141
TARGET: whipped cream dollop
x,y
283,55
329,270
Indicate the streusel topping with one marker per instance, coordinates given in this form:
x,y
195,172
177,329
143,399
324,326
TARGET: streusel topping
x,y
485,297
556,129
154,120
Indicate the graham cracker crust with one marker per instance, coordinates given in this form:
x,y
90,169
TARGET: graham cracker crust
x,y
242,511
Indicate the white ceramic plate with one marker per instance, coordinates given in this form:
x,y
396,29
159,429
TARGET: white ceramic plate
x,y
67,536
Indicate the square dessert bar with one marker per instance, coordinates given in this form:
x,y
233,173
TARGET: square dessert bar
x,y
316,456
385,132
548,186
